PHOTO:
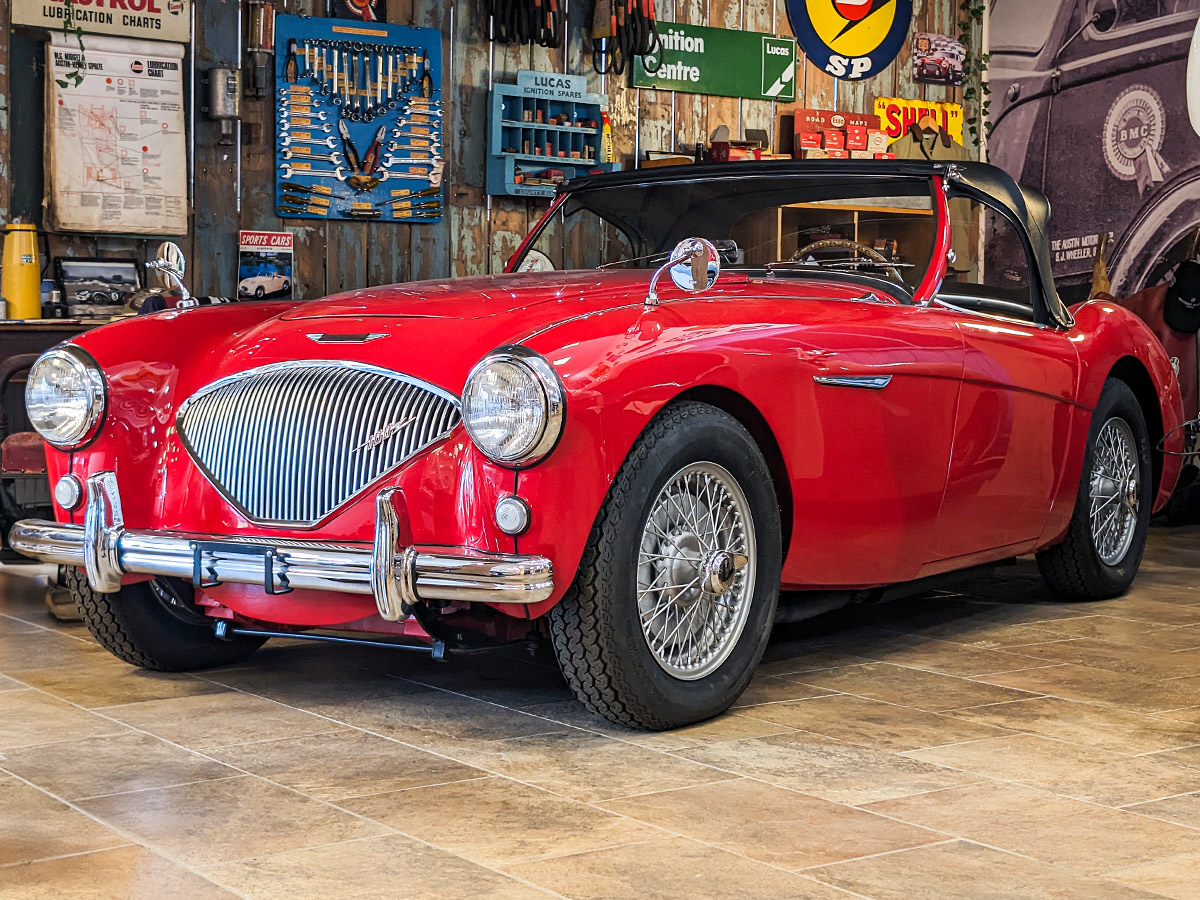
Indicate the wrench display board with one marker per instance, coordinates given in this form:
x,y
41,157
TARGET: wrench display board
x,y
359,121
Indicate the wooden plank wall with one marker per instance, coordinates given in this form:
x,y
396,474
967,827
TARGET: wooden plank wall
x,y
479,232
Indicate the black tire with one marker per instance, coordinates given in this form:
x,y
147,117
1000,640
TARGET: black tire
x,y
596,630
260,292
136,625
1073,568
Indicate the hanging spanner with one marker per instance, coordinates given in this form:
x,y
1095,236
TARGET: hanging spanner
x,y
286,126
335,157
288,172
329,142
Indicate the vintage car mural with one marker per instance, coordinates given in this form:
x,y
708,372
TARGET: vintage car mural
x,y
1089,106
259,286
627,453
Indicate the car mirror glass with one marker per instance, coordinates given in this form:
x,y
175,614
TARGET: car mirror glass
x,y
1193,80
694,266
168,265
1103,14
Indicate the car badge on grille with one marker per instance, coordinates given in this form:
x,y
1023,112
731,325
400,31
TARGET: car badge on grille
x,y
334,338
384,434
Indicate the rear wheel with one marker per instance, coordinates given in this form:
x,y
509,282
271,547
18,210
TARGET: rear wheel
x,y
675,596
1102,550
153,624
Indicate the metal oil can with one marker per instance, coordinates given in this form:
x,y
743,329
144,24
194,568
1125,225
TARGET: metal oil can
x,y
21,276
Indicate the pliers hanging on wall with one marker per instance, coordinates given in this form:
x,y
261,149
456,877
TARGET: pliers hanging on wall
x,y
526,22
631,30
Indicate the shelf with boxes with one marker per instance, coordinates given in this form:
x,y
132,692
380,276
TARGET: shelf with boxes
x,y
825,134
544,130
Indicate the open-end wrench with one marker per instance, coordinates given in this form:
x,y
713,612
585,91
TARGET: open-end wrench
x,y
319,114
288,172
394,147
354,115
329,142
378,83
391,94
429,162
286,125
324,76
335,157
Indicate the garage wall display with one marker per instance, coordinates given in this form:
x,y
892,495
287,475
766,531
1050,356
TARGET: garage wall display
x,y
699,60
851,39
896,114
359,121
162,20
937,59
116,141
265,264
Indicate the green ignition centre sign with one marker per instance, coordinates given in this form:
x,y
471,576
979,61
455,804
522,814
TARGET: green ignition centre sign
x,y
699,60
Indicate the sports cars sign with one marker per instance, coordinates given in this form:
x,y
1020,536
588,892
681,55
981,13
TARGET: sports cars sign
x,y
851,39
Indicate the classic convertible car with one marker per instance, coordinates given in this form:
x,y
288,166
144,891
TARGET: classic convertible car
x,y
738,377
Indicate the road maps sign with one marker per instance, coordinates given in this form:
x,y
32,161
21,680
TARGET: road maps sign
x,y
699,60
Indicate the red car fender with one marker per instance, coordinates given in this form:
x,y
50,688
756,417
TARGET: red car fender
x,y
1110,337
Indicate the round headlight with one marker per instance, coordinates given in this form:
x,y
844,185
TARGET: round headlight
x,y
65,397
513,406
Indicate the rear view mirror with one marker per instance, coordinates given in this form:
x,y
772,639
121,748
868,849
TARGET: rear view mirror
x,y
1193,80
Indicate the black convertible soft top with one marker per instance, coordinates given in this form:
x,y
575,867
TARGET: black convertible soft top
x,y
1028,208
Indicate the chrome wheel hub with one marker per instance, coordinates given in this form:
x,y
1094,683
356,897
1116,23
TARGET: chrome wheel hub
x,y
695,573
1115,489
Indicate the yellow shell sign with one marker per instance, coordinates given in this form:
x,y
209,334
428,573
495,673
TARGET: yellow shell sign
x,y
896,114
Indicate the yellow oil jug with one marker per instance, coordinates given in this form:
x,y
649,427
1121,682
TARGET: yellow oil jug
x,y
21,275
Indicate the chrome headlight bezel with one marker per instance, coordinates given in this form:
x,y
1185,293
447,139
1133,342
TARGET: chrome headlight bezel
x,y
95,397
552,406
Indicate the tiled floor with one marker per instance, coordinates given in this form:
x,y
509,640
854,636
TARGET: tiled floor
x,y
982,743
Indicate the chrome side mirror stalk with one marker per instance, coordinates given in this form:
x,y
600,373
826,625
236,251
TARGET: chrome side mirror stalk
x,y
170,265
694,265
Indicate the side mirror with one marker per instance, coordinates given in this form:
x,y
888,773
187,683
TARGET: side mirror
x,y
169,266
1193,80
1103,14
694,265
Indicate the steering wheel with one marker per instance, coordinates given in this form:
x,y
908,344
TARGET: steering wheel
x,y
870,252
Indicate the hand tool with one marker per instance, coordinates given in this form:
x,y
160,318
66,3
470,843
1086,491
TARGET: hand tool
x,y
364,213
318,114
345,83
371,160
304,188
286,126
329,142
289,65
427,192
337,94
288,172
390,159
296,199
348,147
378,82
324,79
335,157
427,152
288,211
392,103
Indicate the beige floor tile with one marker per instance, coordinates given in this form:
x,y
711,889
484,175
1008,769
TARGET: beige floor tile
x,y
33,825
382,868
1079,836
343,764
1011,637
496,821
587,766
1088,724
46,650
668,868
30,717
11,684
212,720
773,689
833,770
1127,632
873,723
1085,773
13,625
1145,661
1182,810
949,658
910,687
108,681
108,765
1073,682
1142,609
1176,876
233,818
772,824
731,726
975,872
510,679
805,658
126,873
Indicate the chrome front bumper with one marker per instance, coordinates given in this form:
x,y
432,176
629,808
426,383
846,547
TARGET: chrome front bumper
x,y
398,577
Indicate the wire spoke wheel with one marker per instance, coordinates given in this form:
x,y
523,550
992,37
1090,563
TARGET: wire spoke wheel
x,y
1115,489
695,573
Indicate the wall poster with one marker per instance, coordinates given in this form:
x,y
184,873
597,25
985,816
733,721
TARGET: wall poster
x,y
116,142
159,20
265,265
937,59
1108,139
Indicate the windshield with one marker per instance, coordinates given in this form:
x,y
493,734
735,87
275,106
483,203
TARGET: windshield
x,y
880,226
1019,25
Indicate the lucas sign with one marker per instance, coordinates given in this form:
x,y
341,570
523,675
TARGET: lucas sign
x,y
699,60
851,39
159,20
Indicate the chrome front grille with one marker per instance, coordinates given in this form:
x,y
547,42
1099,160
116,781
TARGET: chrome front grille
x,y
289,443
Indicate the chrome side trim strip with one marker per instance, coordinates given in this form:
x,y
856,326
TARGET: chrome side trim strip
x,y
397,577
869,382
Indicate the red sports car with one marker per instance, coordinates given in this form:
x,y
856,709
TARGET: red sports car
x,y
736,378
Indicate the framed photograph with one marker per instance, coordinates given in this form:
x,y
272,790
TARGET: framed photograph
x,y
937,59
95,288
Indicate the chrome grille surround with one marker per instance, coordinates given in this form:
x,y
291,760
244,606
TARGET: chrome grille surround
x,y
289,443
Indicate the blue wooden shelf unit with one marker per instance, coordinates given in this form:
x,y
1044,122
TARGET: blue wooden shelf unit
x,y
545,129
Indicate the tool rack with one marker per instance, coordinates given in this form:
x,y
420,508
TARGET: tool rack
x,y
359,124
545,129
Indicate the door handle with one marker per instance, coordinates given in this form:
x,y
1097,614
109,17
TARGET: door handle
x,y
867,382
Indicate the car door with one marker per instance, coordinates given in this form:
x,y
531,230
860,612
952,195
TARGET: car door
x,y
1013,419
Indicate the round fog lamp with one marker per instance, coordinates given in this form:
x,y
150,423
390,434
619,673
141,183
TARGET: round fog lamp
x,y
68,492
512,515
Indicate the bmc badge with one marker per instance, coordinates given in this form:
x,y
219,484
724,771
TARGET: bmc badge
x,y
1133,137
850,39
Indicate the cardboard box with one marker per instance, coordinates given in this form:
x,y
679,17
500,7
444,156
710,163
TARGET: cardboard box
x,y
808,140
816,154
833,140
838,154
877,141
885,155
856,140
861,154
820,119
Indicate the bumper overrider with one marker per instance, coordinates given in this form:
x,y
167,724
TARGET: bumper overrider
x,y
397,577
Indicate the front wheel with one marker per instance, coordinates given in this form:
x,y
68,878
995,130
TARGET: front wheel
x,y
1102,550
675,595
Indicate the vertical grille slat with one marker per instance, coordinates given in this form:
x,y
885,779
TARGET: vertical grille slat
x,y
289,443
